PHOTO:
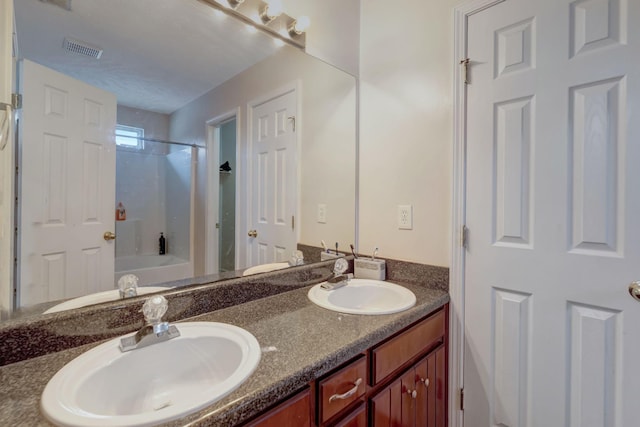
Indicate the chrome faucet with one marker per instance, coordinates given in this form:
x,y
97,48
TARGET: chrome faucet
x,y
128,285
339,279
155,330
297,258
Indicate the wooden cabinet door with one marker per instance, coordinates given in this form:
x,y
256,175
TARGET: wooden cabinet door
x,y
431,383
357,418
395,405
386,406
417,398
292,412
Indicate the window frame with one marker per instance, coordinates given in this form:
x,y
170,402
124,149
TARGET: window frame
x,y
139,137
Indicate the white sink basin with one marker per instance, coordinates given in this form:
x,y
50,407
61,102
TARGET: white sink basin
x,y
99,297
265,268
364,296
154,384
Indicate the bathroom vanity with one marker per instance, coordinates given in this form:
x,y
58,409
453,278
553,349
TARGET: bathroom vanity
x,y
399,381
309,354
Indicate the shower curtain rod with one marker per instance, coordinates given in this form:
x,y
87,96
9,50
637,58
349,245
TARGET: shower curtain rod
x,y
163,141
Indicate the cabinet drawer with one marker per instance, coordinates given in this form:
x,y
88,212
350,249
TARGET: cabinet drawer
x,y
342,388
391,355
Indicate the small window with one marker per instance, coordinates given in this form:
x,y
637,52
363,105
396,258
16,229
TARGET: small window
x,y
130,137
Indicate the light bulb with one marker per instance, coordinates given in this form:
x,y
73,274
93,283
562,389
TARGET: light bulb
x,y
300,25
275,7
270,11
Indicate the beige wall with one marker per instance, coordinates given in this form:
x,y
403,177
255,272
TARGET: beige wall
x,y
406,68
334,33
327,141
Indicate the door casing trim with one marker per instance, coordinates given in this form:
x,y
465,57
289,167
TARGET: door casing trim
x,y
461,16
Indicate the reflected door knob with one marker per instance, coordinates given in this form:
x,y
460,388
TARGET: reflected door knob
x,y
252,233
634,290
108,235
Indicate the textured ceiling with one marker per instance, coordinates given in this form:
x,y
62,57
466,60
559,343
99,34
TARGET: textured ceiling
x,y
158,54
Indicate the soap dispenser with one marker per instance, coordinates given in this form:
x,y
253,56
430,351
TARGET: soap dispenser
x,y
163,244
121,213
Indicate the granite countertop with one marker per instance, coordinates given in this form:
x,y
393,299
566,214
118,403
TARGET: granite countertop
x,y
299,341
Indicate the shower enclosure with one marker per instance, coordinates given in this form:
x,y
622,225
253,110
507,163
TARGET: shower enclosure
x,y
155,185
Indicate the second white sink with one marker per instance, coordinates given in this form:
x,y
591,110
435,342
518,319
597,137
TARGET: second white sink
x,y
154,384
100,297
364,296
265,268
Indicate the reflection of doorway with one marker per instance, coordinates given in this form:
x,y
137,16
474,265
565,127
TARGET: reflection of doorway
x,y
227,197
273,177
68,160
222,185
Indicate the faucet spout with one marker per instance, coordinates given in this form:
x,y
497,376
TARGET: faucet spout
x,y
339,279
155,330
336,282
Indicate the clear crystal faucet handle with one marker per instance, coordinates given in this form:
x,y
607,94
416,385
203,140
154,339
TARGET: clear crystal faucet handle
x,y
340,266
128,285
154,308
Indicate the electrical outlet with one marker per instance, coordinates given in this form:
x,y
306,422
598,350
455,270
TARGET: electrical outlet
x,y
405,217
322,213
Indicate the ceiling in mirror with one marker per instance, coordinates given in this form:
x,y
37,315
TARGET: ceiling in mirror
x,y
157,55
191,64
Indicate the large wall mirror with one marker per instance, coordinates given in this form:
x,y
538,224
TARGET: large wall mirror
x,y
165,139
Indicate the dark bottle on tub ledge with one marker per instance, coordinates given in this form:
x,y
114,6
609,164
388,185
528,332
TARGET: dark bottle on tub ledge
x,y
163,245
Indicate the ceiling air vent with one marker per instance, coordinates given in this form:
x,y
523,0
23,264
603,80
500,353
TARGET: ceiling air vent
x,y
82,48
65,4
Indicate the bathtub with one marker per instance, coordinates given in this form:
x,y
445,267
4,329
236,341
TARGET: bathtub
x,y
153,269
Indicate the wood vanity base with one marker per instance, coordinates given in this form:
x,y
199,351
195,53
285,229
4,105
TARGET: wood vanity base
x,y
401,381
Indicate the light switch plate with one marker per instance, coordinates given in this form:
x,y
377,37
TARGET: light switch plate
x,y
322,213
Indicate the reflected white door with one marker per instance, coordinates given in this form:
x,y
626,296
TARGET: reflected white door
x,y
67,187
553,148
273,180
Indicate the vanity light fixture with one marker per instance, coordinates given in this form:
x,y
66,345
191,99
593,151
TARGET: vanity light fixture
x,y
299,26
270,11
233,4
266,16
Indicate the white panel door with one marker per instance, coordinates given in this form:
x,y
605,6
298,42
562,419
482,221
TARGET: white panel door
x,y
553,146
67,187
274,180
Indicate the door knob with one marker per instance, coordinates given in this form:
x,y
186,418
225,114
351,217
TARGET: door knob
x,y
252,233
108,235
634,290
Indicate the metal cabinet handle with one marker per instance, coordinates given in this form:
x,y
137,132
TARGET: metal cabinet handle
x,y
252,233
347,394
412,393
108,235
634,290
424,381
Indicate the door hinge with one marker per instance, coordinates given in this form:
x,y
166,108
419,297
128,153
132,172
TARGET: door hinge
x,y
464,237
465,70
293,222
16,101
461,395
